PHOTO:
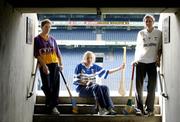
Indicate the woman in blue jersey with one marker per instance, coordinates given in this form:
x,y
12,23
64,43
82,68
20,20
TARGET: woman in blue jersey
x,y
85,76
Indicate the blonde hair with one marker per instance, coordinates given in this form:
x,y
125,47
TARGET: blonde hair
x,y
88,54
45,21
148,16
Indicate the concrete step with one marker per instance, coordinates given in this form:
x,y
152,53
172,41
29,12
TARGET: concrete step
x,y
94,118
80,100
82,109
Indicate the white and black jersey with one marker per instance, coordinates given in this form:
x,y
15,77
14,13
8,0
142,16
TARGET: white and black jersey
x,y
147,46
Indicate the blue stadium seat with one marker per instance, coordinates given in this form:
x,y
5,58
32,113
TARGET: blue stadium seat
x,y
81,34
120,35
90,34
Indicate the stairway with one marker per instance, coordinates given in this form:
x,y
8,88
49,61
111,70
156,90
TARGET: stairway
x,y
87,112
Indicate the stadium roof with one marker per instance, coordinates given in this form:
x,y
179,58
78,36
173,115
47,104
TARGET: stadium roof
x,y
94,17
94,3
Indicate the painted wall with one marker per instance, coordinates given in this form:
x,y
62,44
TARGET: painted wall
x,y
16,64
171,68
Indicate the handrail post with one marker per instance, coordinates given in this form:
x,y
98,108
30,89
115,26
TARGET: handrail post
x,y
163,88
30,93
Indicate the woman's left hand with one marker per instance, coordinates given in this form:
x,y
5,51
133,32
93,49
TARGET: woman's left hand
x,y
122,66
158,62
60,67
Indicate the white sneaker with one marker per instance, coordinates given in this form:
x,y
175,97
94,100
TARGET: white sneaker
x,y
55,111
138,112
147,113
112,112
103,111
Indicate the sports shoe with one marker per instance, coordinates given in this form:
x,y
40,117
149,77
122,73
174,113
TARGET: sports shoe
x,y
112,112
148,113
55,111
103,111
138,112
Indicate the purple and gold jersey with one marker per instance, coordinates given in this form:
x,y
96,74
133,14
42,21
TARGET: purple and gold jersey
x,y
48,50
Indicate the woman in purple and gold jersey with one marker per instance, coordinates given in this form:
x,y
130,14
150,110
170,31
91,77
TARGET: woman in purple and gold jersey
x,y
49,57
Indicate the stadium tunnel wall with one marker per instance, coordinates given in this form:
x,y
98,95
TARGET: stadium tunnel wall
x,y
171,67
16,64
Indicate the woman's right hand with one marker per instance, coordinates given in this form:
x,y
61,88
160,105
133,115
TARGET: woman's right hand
x,y
134,62
46,69
83,82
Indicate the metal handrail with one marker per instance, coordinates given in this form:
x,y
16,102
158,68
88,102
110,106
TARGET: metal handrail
x,y
163,89
34,74
164,94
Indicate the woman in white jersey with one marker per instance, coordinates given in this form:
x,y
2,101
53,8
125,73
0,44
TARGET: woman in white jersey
x,y
147,57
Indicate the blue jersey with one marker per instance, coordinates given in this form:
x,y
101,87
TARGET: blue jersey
x,y
82,73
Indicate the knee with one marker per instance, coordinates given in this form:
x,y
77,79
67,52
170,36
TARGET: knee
x,y
44,88
104,87
152,91
96,87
